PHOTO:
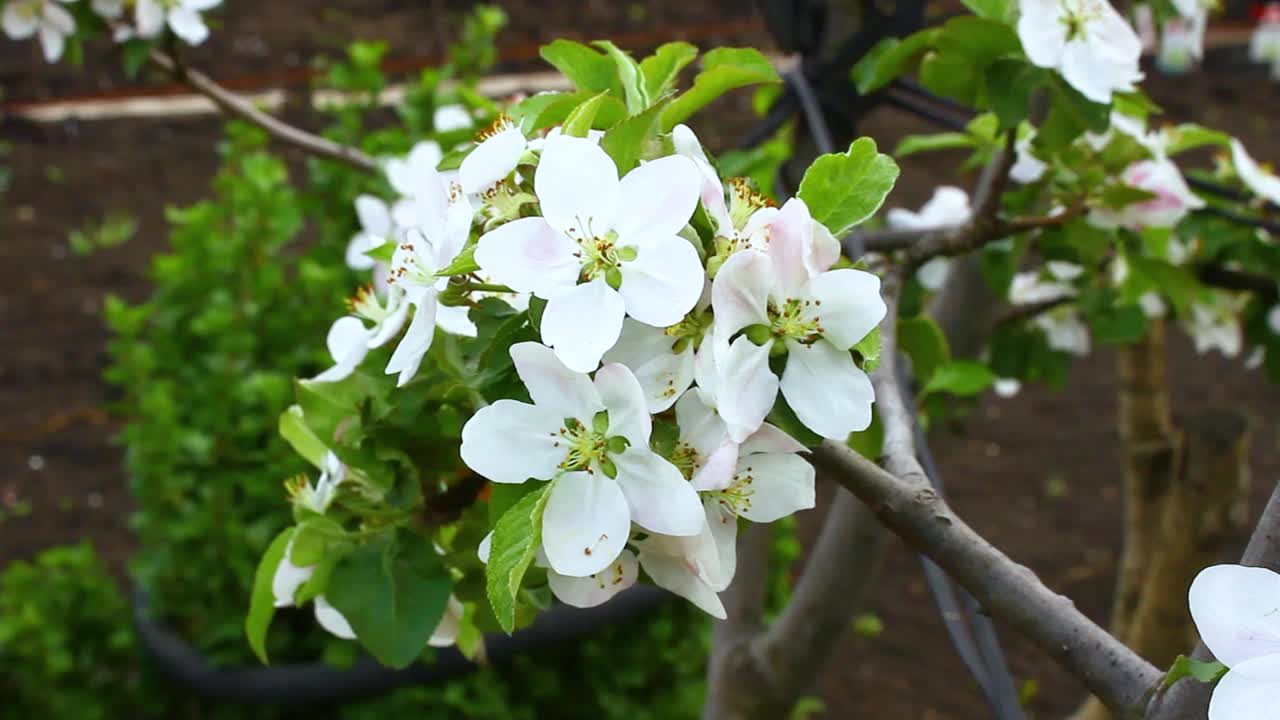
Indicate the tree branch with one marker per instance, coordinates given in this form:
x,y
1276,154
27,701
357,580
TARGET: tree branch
x,y
1008,591
236,106
736,686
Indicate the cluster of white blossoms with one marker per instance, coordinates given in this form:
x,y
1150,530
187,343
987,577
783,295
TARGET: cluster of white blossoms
x,y
642,320
1087,41
1237,611
53,24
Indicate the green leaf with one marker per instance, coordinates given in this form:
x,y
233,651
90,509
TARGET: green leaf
x,y
586,68
383,253
662,68
1202,670
1070,116
304,442
312,540
723,69
1174,282
134,54
890,58
393,591
1189,136
913,144
546,109
922,340
1116,324
870,442
1008,84
628,70
516,537
581,119
626,141
1118,195
998,10
502,496
868,348
464,264
844,189
262,602
961,377
964,49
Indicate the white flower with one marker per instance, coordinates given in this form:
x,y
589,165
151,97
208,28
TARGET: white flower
x,y
602,249
1172,201
182,16
1086,40
1237,612
318,497
948,207
376,228
451,117
1028,288
24,18
1007,387
1215,327
349,341
492,160
693,567
597,589
592,438
1261,182
1027,168
1144,22
110,9
661,362
441,226
1152,304
1064,330
414,173
1183,43
1273,319
1063,270
816,317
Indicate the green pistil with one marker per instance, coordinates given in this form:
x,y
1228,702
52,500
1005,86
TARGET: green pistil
x,y
689,331
600,255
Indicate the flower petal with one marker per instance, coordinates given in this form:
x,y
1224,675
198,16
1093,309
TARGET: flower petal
x,y
1042,31
827,391
510,442
408,355
446,632
1248,691
740,292
332,620
348,344
661,500
658,197
585,592
577,186
17,22
149,15
746,388
585,525
451,117
1237,611
553,386
717,469
1258,180
455,320
624,399
491,161
374,216
850,307
186,24
288,578
771,439
773,486
790,240
700,426
723,527
674,575
582,323
528,255
647,352
664,281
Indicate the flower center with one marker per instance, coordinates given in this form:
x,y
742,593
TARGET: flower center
x,y
365,304
797,320
687,459
587,448
405,268
689,331
744,201
1077,20
737,497
599,253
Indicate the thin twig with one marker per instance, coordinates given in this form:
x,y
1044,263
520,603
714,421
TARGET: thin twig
x,y
236,106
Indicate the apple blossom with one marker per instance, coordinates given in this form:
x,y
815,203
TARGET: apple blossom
x,y
349,341
1086,40
1236,609
1007,387
592,438
694,567
376,228
110,9
1264,184
182,17
948,207
1172,201
411,174
1029,287
48,19
447,118
1064,330
1215,327
815,318
1027,168
1183,43
494,159
602,249
597,589
318,497
662,360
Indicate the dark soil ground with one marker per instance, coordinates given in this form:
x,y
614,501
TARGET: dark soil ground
x,y
1038,475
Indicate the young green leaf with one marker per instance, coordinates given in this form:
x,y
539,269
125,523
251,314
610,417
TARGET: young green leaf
x,y
633,89
393,590
662,68
890,58
586,68
516,538
626,141
262,602
960,377
913,144
723,69
295,431
922,340
464,264
1202,670
844,189
581,120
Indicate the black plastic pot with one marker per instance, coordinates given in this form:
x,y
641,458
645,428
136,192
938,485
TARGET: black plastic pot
x,y
316,683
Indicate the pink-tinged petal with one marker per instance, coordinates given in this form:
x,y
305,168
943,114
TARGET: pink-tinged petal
x,y
790,239
585,525
1042,31
658,197
374,216
740,292
551,385
827,391
1237,611
577,186
491,161
664,281
746,389
823,251
850,307
585,592
770,439
674,575
647,352
624,399
773,486
408,355
1248,691
661,500
332,620
510,442
717,470
700,425
582,323
528,255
